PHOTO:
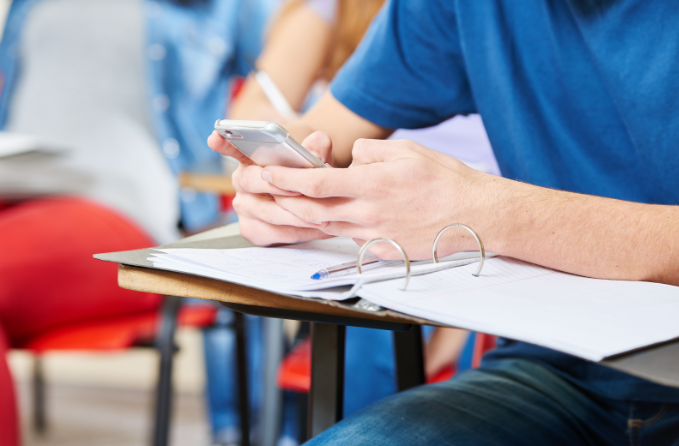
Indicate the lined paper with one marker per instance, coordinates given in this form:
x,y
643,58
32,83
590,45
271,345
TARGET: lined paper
x,y
589,318
288,269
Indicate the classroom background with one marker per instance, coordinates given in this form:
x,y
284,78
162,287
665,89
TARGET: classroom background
x,y
105,108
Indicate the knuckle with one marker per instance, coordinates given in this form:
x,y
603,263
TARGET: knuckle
x,y
333,228
237,203
248,205
250,230
267,214
315,189
360,148
246,180
242,204
237,180
307,214
371,218
258,232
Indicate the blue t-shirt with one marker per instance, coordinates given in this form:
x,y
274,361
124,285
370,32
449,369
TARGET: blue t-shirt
x,y
579,95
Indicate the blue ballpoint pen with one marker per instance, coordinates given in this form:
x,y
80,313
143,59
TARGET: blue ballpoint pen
x,y
344,269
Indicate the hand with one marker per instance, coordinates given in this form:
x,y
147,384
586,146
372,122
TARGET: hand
x,y
395,189
262,220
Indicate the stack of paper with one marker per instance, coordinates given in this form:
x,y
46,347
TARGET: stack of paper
x,y
288,269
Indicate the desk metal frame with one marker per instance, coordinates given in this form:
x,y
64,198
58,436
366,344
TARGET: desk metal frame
x,y
326,398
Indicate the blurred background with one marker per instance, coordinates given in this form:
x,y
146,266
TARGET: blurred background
x,y
105,107
106,399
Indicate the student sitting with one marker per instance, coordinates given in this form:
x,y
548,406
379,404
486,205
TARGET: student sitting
x,y
579,102
307,45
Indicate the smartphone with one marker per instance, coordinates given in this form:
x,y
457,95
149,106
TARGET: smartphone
x,y
266,143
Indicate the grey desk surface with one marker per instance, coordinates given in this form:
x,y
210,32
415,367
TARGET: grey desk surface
x,y
658,363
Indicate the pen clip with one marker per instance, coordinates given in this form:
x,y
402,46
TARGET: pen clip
x,y
365,247
476,236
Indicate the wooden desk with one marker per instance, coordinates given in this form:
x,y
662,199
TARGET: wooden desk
x,y
658,363
203,182
328,319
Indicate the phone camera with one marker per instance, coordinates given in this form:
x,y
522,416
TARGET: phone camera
x,y
230,134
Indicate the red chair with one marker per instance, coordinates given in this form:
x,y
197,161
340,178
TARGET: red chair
x,y
150,329
294,372
482,344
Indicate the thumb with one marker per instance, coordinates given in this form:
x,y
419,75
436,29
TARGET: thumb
x,y
320,144
218,144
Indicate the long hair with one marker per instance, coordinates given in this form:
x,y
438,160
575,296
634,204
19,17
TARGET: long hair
x,y
353,17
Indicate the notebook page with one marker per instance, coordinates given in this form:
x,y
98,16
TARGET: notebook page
x,y
288,269
280,269
332,293
589,318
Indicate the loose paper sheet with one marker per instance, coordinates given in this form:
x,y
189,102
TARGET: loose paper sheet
x,y
589,318
288,269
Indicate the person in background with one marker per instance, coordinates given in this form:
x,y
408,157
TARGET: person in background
x,y
128,88
307,45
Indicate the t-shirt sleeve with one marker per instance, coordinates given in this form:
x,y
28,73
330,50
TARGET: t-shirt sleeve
x,y
408,72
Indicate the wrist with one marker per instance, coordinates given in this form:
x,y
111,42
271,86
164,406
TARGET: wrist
x,y
502,214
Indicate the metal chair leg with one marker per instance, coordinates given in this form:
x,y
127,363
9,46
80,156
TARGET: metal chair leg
x,y
303,414
409,354
326,398
39,412
242,368
272,412
166,347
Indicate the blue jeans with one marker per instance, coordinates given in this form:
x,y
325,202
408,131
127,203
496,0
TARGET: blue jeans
x,y
370,373
509,402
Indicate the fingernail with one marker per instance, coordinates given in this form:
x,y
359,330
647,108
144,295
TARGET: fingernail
x,y
266,176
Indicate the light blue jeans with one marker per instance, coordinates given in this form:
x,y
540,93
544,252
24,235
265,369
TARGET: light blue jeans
x,y
510,402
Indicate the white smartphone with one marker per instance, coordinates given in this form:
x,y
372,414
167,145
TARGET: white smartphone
x,y
266,143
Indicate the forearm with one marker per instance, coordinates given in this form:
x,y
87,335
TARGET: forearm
x,y
586,235
342,125
253,105
294,53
